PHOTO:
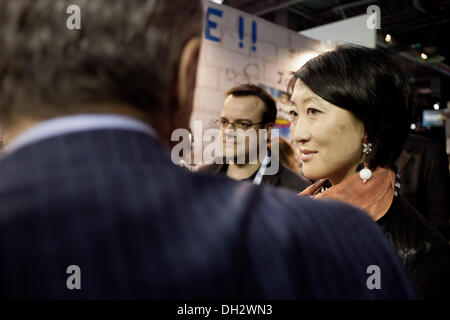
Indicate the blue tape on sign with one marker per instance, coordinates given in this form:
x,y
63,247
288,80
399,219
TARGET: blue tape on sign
x,y
241,31
254,36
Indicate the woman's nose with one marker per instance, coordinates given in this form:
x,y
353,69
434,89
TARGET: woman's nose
x,y
301,132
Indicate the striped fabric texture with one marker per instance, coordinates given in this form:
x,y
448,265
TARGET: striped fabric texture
x,y
138,227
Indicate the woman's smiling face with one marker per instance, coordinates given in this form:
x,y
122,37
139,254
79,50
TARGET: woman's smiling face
x,y
330,138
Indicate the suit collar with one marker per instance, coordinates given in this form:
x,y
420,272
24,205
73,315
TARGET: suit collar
x,y
77,123
267,179
406,155
403,159
85,151
272,179
216,167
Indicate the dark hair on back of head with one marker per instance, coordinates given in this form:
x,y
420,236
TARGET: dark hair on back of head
x,y
369,84
125,53
249,89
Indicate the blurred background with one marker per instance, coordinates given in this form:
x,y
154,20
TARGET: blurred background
x,y
261,41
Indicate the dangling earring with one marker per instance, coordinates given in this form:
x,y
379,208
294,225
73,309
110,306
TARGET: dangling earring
x,y
365,174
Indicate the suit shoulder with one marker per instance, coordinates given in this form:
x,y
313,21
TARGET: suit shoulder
x,y
332,243
208,168
422,144
278,199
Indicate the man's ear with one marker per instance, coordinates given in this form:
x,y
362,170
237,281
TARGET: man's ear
x,y
186,80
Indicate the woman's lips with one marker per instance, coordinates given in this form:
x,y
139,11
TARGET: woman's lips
x,y
307,155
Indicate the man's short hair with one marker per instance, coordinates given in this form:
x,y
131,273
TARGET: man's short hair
x,y
249,89
125,53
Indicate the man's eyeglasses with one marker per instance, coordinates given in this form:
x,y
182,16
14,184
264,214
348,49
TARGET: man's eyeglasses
x,y
238,124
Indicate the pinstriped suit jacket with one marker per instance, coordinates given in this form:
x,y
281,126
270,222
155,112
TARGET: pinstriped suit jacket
x,y
112,203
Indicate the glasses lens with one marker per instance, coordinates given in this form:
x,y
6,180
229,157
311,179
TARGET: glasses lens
x,y
221,122
243,125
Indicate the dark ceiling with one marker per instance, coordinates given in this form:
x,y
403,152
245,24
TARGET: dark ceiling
x,y
416,26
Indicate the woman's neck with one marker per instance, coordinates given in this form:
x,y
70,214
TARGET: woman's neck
x,y
343,175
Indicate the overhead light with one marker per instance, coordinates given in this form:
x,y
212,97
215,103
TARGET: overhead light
x,y
388,38
413,126
217,1
436,106
424,56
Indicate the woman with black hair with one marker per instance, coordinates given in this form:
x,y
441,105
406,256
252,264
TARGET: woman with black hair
x,y
349,120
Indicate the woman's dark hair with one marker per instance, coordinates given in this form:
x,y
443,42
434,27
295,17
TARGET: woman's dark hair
x,y
370,85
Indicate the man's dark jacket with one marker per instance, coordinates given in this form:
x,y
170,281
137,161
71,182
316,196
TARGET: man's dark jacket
x,y
285,177
425,179
112,203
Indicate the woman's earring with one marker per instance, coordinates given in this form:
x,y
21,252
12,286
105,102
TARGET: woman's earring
x,y
365,174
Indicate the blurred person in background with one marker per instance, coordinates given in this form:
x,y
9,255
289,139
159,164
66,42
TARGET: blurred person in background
x,y
87,182
250,107
349,119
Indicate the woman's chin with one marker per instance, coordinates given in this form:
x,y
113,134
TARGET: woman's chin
x,y
310,176
309,172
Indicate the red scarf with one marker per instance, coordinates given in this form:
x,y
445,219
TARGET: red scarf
x,y
375,196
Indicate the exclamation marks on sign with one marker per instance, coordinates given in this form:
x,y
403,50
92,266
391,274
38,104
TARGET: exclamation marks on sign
x,y
241,34
254,35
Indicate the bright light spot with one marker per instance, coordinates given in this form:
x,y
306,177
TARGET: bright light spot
x,y
328,45
217,1
424,56
436,106
304,58
413,126
388,38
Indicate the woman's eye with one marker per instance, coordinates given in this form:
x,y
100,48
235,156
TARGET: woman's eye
x,y
293,114
312,111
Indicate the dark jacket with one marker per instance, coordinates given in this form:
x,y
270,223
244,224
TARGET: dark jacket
x,y
425,180
285,177
139,227
424,251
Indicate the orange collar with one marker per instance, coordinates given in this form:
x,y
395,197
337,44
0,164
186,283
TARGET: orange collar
x,y
375,196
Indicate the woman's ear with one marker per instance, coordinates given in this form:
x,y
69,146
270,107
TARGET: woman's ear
x,y
365,138
186,81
